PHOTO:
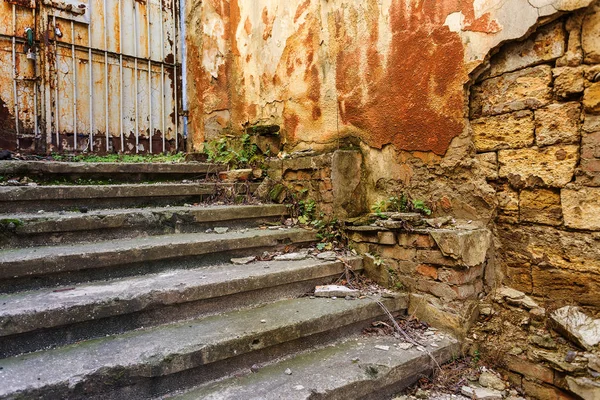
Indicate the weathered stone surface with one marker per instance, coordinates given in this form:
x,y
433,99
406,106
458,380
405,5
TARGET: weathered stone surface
x,y
581,208
552,166
548,43
585,388
530,369
348,193
480,393
590,159
568,81
490,380
468,247
557,123
516,298
460,276
591,98
487,165
335,291
578,327
591,123
589,35
525,89
387,238
408,217
507,131
541,206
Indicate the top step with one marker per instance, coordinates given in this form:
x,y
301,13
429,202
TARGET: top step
x,y
113,171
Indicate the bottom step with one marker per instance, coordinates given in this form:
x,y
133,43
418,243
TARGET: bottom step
x,y
353,369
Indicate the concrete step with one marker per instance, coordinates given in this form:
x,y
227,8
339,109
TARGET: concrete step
x,y
154,361
68,197
138,254
115,171
351,369
34,229
43,318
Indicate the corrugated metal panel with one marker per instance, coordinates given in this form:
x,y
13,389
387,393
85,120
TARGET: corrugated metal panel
x,y
99,84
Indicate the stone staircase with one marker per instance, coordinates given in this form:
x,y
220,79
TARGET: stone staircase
x,y
127,291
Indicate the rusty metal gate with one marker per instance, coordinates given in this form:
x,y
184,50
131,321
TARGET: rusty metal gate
x,y
94,76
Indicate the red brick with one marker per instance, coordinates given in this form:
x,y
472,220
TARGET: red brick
x,y
415,240
529,369
434,257
397,253
427,270
460,276
304,175
325,185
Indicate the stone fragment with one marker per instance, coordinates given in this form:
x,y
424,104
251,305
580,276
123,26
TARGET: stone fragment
x,y
590,39
235,175
594,363
382,347
547,43
438,222
243,261
490,380
487,165
585,388
291,256
391,224
581,208
506,131
578,327
540,206
408,217
591,98
221,230
335,291
468,247
486,394
515,297
552,166
287,371
467,391
545,342
386,238
524,89
327,255
298,387
568,81
405,346
557,123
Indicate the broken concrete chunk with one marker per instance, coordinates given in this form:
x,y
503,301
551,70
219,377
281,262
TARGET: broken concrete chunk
x,y
335,291
243,261
578,327
291,257
327,255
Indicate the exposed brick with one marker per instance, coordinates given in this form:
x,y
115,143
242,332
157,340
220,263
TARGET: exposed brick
x,y
325,173
460,276
529,369
427,270
438,289
387,238
304,175
434,257
363,237
544,392
415,240
325,185
397,253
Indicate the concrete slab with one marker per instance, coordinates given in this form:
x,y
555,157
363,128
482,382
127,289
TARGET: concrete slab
x,y
121,360
53,259
47,308
346,370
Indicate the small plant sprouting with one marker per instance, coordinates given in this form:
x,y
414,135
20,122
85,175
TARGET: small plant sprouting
x,y
237,152
400,204
419,205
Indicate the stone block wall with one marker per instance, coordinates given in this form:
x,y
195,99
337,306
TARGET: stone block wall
x,y
535,121
443,268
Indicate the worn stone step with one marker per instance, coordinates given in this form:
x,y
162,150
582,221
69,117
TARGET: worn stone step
x,y
115,171
41,318
69,197
154,361
43,260
34,229
352,369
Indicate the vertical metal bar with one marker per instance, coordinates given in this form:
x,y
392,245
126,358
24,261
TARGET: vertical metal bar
x,y
162,76
105,26
56,98
73,62
121,113
35,87
175,44
184,101
148,14
136,36
91,78
14,69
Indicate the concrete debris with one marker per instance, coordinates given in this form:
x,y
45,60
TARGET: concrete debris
x,y
221,230
335,291
327,255
486,394
382,347
291,257
578,327
288,371
243,261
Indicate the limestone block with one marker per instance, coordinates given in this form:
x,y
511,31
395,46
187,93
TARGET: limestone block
x,y
460,276
540,206
507,131
590,40
468,247
487,165
591,98
552,166
577,326
524,89
591,123
557,123
568,81
581,208
585,388
590,155
548,43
